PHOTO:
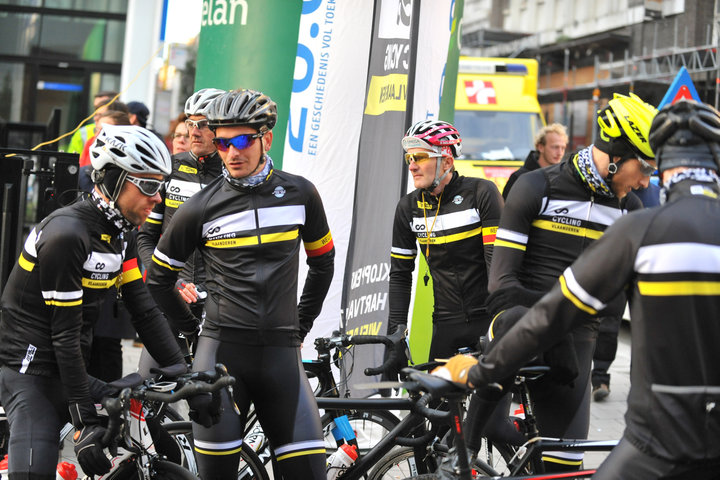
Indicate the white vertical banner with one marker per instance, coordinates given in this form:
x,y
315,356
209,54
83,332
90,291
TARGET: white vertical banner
x,y
326,111
433,38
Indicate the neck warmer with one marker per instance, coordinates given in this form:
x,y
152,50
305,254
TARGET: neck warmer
x,y
700,175
587,172
251,181
112,214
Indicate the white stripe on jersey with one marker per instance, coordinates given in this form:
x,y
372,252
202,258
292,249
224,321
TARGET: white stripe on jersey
x,y
583,210
510,236
55,295
233,223
446,221
31,241
580,292
103,262
165,259
284,215
678,257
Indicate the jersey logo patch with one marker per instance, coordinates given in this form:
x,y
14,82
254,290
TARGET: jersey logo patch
x,y
457,200
187,169
279,192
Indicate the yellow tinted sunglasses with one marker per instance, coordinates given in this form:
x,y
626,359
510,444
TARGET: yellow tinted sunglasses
x,y
420,157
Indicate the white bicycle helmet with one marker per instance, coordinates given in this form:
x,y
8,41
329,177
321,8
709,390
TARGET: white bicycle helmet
x,y
131,148
119,150
198,102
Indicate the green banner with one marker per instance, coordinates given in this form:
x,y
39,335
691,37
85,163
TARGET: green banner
x,y
251,44
421,331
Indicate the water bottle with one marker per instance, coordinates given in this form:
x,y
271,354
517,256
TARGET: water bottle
x,y
66,471
341,460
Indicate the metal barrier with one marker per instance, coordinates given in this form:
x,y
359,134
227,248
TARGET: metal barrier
x,y
32,185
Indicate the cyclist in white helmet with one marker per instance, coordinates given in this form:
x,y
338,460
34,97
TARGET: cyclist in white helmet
x,y
53,296
453,220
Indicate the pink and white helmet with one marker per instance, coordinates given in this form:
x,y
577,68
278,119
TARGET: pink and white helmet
x,y
435,135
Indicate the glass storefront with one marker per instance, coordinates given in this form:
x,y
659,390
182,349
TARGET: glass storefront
x,y
58,54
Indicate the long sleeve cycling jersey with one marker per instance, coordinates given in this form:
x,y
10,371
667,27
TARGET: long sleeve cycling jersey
x,y
549,219
53,295
668,260
189,175
461,227
249,238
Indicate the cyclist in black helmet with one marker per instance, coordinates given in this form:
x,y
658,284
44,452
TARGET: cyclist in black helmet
x,y
53,296
249,228
668,259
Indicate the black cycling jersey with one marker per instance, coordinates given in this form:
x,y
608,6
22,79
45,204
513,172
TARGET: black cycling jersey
x,y
549,219
249,238
53,295
668,260
190,174
531,163
461,224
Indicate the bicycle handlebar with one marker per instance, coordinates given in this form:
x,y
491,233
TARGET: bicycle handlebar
x,y
191,384
339,340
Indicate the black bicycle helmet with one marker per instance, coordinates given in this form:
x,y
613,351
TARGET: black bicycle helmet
x,y
686,134
242,107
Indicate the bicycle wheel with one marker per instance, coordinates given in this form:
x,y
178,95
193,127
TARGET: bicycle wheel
x,y
369,427
398,464
160,470
250,468
497,457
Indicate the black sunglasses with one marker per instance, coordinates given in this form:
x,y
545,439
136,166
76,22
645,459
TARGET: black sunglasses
x,y
148,186
240,142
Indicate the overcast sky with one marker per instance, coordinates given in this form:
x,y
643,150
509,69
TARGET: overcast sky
x,y
183,21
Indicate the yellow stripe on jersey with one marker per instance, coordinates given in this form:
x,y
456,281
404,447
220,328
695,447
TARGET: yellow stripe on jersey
x,y
130,276
451,238
568,229
505,243
166,265
298,454
232,242
402,257
575,300
318,243
93,283
63,303
172,203
218,452
153,221
187,169
680,288
279,237
25,263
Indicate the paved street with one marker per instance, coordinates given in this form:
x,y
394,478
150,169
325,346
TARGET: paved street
x,y
607,417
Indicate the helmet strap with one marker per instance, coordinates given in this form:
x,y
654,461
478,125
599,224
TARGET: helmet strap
x,y
103,177
438,177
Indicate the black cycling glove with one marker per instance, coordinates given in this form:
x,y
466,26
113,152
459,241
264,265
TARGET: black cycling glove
x,y
87,439
205,409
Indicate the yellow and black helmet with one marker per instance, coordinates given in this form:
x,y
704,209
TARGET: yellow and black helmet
x,y
624,127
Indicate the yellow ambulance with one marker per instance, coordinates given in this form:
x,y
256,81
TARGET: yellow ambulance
x,y
497,113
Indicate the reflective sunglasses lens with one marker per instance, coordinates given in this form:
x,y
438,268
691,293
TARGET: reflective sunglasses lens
x,y
147,186
240,142
417,157
646,168
199,124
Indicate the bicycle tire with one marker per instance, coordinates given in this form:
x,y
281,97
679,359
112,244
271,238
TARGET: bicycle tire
x,y
369,427
497,456
251,467
398,463
160,470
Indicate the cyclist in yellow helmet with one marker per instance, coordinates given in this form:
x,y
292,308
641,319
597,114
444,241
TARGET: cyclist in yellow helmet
x,y
550,217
